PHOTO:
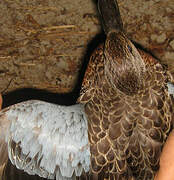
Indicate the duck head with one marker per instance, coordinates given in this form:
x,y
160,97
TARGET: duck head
x,y
124,67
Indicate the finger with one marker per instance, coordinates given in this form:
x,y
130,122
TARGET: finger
x,y
167,155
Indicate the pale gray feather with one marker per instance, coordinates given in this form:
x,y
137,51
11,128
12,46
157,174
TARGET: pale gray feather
x,y
47,139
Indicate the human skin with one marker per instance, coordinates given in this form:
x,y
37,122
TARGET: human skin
x,y
166,171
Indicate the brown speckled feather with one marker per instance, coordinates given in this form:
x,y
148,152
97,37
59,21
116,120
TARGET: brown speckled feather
x,y
126,133
129,109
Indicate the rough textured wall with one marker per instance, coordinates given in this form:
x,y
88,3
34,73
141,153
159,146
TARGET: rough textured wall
x,y
43,43
151,24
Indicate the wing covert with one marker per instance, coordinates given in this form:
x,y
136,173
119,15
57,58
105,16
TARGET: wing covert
x,y
47,139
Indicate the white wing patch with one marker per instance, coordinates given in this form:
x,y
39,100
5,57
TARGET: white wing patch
x,y
48,140
170,88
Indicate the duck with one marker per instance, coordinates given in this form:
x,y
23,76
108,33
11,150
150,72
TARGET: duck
x,y
118,127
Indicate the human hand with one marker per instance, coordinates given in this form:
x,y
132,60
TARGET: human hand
x,y
166,171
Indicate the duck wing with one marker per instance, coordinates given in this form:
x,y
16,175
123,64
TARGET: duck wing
x,y
45,139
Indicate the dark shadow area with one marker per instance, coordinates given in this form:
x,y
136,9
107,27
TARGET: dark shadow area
x,y
28,94
12,173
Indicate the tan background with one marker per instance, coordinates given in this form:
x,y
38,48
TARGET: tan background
x,y
43,43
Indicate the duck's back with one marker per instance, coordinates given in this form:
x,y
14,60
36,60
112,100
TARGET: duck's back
x,y
126,133
153,116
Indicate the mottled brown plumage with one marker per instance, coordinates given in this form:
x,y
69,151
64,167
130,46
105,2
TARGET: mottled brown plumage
x,y
129,109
